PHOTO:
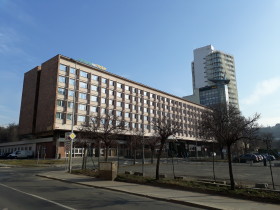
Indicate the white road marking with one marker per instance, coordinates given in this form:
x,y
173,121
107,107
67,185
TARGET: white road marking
x,y
36,196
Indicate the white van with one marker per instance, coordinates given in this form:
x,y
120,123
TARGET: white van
x,y
21,154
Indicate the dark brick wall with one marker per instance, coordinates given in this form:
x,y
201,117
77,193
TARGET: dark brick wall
x,y
28,101
47,95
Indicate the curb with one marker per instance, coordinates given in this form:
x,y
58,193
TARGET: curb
x,y
137,194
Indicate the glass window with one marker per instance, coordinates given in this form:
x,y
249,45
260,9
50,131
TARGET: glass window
x,y
127,115
72,70
119,85
61,91
103,111
83,85
111,92
93,109
69,116
83,95
83,74
71,81
93,88
119,94
127,96
71,93
70,104
81,118
119,103
112,83
60,103
145,93
94,77
59,115
62,79
127,106
111,102
103,80
82,107
62,67
126,87
119,113
103,90
103,100
93,98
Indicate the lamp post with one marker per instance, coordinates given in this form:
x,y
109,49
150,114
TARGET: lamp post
x,y
143,142
72,124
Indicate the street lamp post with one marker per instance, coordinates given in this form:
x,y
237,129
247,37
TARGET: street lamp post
x,y
143,142
72,124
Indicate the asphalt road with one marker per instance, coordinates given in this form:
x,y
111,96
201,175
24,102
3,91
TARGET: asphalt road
x,y
21,189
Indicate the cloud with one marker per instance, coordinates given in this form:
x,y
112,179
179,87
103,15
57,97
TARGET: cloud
x,y
263,89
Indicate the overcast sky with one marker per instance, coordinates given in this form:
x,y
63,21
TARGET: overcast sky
x,y
148,41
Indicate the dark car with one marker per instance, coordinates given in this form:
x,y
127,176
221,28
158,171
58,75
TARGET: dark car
x,y
246,158
4,155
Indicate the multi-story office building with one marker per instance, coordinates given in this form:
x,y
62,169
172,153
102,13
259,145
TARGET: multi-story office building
x,y
61,84
214,72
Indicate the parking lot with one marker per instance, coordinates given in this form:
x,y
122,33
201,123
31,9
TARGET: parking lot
x,y
244,173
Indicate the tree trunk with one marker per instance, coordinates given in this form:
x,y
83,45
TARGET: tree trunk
x,y
84,166
222,154
158,158
134,157
152,155
232,184
106,153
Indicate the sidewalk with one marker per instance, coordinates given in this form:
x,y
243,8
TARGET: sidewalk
x,y
200,200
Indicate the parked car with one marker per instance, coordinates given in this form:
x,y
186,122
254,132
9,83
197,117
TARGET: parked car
x,y
246,158
21,154
269,157
4,155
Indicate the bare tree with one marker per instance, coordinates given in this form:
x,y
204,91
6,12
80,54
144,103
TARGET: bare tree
x,y
226,125
163,129
152,142
135,143
104,128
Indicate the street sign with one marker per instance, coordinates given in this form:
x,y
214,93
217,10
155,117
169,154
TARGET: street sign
x,y
72,136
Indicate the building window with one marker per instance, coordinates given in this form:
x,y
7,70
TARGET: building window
x,y
71,81
93,109
127,115
61,91
60,103
103,80
72,70
71,93
93,88
126,87
111,102
83,74
83,85
69,116
83,96
82,107
119,94
59,115
94,77
93,98
127,96
62,79
62,67
103,90
119,113
103,111
81,118
112,83
127,106
119,103
119,85
111,93
103,100
70,105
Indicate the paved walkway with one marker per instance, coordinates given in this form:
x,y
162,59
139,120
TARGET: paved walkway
x,y
201,200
